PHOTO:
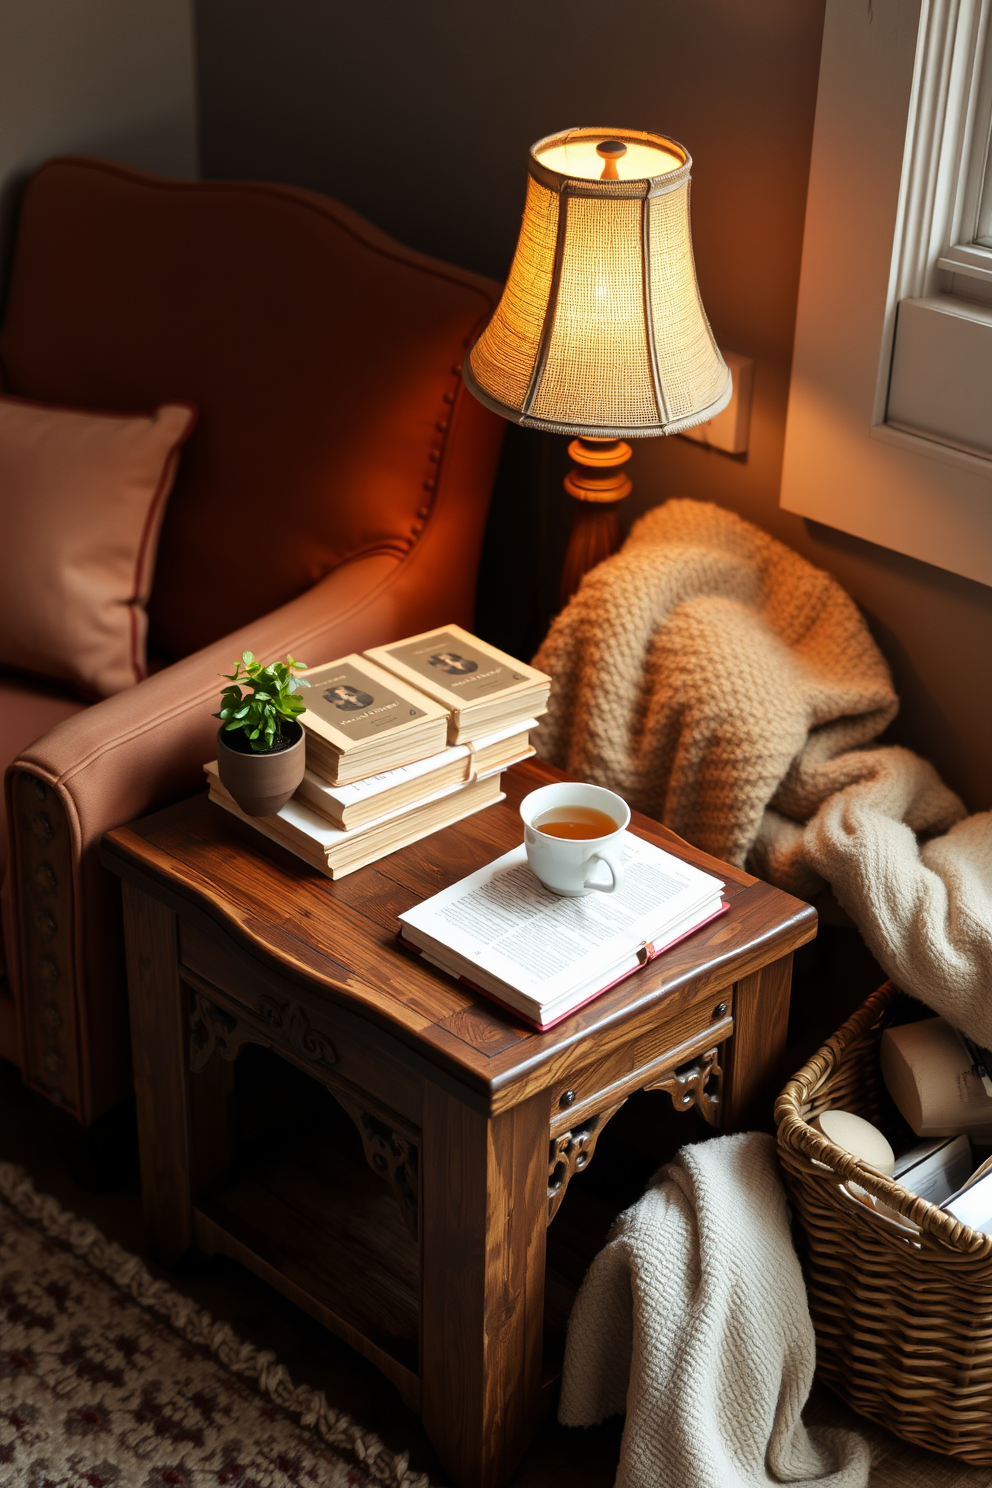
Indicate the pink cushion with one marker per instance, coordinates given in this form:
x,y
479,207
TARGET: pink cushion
x,y
82,496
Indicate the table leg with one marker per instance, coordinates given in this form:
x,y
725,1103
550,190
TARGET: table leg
x,y
482,1303
755,1054
159,1042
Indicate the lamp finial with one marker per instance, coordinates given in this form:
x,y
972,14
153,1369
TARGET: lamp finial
x,y
610,151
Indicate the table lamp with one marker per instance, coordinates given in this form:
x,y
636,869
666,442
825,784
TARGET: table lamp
x,y
600,331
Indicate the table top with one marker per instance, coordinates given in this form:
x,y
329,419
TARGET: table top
x,y
339,938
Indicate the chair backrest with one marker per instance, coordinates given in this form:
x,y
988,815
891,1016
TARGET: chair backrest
x,y
322,355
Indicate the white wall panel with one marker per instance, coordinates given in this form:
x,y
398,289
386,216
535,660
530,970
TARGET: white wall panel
x,y
942,372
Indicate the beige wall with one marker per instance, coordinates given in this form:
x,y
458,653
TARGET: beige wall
x,y
420,116
100,77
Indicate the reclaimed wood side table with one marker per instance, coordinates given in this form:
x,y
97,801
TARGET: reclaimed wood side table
x,y
471,1124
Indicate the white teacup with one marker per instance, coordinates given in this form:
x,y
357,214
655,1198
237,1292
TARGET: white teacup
x,y
568,865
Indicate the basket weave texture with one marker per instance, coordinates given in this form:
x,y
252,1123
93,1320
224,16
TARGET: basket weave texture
x,y
903,1319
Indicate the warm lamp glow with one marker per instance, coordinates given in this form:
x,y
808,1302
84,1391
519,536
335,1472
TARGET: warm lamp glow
x,y
600,330
579,159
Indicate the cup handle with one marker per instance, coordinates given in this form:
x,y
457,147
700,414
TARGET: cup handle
x,y
616,870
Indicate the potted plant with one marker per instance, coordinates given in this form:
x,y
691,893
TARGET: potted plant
x,y
260,747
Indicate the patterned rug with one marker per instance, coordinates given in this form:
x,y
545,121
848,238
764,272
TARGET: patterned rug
x,y
111,1379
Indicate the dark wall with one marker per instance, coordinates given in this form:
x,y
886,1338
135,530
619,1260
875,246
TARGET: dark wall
x,y
420,115
105,78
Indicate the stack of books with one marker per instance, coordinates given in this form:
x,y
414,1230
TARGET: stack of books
x,y
500,932
392,791
386,762
337,851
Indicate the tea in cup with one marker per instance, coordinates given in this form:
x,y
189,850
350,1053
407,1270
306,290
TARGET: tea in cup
x,y
572,832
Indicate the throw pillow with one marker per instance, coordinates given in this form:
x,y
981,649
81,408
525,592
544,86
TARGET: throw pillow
x,y
82,496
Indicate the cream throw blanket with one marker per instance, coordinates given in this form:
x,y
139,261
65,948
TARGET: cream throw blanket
x,y
693,1319
727,687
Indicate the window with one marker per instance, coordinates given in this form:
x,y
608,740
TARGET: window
x,y
889,431
969,254
939,383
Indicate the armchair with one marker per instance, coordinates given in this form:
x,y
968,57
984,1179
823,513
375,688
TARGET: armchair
x,y
334,433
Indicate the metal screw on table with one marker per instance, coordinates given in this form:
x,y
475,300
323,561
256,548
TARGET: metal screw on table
x,y
567,1099
720,1010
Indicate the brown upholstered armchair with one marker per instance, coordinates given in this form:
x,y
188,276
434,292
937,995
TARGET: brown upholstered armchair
x,y
334,436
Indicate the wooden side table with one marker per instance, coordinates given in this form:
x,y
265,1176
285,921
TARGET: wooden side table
x,y
431,1259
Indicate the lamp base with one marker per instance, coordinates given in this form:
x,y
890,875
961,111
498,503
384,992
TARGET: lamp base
x,y
596,534
599,483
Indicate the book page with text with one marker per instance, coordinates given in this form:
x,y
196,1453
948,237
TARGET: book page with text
x,y
503,920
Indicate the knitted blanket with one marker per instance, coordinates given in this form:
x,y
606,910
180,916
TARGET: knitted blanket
x,y
693,1319
725,686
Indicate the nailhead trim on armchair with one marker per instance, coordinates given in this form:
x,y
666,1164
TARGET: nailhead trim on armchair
x,y
43,849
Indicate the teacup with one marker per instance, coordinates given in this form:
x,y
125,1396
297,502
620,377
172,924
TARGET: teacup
x,y
572,864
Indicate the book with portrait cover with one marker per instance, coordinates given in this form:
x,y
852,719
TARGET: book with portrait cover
x,y
360,720
482,688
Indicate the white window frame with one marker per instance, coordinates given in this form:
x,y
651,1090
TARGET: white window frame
x,y
946,141
970,248
899,83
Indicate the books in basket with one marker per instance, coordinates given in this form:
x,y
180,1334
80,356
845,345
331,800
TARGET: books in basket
x,y
360,719
337,852
354,805
481,687
543,956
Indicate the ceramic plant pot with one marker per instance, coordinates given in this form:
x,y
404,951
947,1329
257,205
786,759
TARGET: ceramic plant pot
x,y
260,783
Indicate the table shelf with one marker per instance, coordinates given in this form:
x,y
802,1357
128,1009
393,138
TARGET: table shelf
x,y
328,1234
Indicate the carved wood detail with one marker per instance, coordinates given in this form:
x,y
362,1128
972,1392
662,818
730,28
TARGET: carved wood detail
x,y
571,1151
390,1153
213,1030
698,1083
290,1022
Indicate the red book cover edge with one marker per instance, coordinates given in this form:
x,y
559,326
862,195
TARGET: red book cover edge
x,y
412,950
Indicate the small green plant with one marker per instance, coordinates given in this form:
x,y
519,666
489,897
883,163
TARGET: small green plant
x,y
273,702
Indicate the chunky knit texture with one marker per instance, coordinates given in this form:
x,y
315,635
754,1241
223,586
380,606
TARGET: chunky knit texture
x,y
693,1320
730,689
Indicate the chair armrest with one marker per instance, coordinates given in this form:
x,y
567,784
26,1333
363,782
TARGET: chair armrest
x,y
121,758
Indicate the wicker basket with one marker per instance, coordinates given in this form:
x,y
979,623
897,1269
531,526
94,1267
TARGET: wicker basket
x,y
903,1317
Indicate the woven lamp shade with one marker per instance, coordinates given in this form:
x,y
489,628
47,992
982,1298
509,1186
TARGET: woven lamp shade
x,y
600,330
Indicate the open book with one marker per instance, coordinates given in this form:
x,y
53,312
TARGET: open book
x,y
543,956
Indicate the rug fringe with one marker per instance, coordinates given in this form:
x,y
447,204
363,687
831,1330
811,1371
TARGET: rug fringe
x,y
129,1274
